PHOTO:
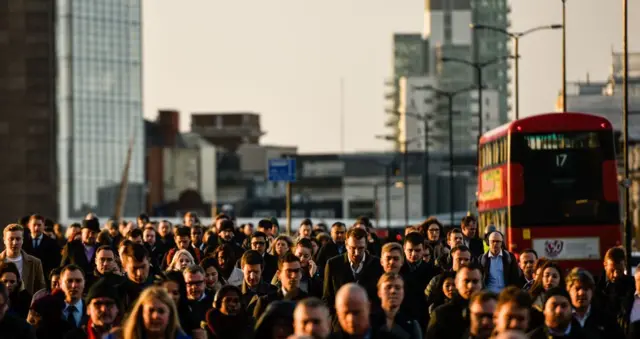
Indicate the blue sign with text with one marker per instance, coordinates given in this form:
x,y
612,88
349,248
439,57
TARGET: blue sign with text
x,y
282,170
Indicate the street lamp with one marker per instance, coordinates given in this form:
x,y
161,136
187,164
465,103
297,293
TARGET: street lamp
x,y
425,158
405,160
449,95
625,127
516,38
479,66
564,56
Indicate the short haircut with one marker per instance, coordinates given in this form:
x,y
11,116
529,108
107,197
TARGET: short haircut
x,y
312,302
305,243
182,231
265,223
143,217
616,254
136,251
72,268
218,217
579,274
258,234
468,219
391,246
251,257
287,258
482,297
515,295
471,267
104,248
13,228
306,222
209,262
460,248
364,221
452,231
338,224
530,250
357,233
54,272
414,239
194,269
389,276
36,217
135,233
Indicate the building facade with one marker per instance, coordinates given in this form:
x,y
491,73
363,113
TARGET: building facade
x,y
99,99
28,176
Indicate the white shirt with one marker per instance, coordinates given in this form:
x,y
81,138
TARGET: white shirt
x,y
583,319
635,309
19,263
358,269
78,313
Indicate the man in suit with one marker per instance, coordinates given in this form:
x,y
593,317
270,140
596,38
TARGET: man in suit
x,y
332,248
72,284
30,267
258,242
469,226
41,246
199,301
354,266
82,252
500,266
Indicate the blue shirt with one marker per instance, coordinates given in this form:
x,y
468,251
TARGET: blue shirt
x,y
495,280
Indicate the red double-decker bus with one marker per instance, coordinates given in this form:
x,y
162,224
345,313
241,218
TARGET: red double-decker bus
x,y
549,182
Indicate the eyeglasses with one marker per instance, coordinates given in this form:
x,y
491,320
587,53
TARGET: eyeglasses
x,y
194,283
261,243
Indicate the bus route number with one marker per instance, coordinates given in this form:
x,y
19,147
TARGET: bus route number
x,y
561,160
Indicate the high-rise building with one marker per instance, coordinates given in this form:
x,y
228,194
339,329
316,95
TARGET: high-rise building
x,y
28,178
99,97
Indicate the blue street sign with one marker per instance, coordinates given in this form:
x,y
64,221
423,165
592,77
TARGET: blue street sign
x,y
282,170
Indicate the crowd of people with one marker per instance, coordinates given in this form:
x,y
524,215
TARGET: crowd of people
x,y
151,279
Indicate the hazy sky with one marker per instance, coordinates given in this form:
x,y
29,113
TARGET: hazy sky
x,y
284,59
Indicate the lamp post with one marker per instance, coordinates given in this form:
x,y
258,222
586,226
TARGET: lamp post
x,y
479,66
516,40
425,158
564,56
449,95
625,128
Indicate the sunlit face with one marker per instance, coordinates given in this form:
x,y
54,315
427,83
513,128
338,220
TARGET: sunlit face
x,y
106,261
184,261
173,289
527,260
353,315
305,231
149,236
230,304
495,242
102,311
455,239
290,275
550,278
338,234
36,227
449,287
196,235
392,261
89,236
164,229
304,254
312,322
137,271
183,242
13,242
10,280
433,232
356,249
211,277
391,294
470,229
195,285
281,247
614,270
55,282
259,244
252,274
72,283
468,281
460,259
481,324
581,295
155,315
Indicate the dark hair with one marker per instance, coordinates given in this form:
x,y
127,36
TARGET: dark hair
x,y
265,223
471,267
71,268
287,258
357,233
482,296
312,302
258,234
579,274
135,233
468,219
452,231
144,218
36,217
136,252
424,226
104,248
530,250
9,267
224,290
305,243
221,216
210,262
338,224
537,288
182,231
306,222
414,238
4,292
252,257
616,254
226,224
364,221
228,254
460,248
54,272
513,294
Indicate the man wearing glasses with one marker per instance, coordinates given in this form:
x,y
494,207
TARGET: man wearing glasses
x,y
354,266
199,301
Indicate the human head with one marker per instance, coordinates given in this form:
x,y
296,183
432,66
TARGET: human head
x,y
227,300
391,257
338,231
197,232
265,226
454,237
149,236
580,285
413,247
135,261
13,236
252,264
195,282
526,262
468,280
10,277
289,271
496,240
391,291
36,225
304,251
136,236
352,309
614,263
557,309
513,310
431,229
356,245
165,228
258,242
482,307
72,281
154,313
306,228
105,260
90,230
102,303
227,230
461,256
181,260
469,225
211,272
183,237
311,318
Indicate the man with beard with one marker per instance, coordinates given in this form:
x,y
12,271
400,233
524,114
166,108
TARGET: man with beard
x,y
103,309
558,319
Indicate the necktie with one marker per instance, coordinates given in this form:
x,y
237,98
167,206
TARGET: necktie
x,y
71,312
37,242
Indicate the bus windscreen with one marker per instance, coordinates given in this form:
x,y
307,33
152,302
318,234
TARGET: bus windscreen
x,y
562,176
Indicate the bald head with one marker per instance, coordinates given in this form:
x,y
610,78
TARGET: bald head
x,y
511,335
495,242
352,308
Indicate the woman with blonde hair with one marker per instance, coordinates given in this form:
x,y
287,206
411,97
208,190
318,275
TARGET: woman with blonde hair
x,y
181,260
154,316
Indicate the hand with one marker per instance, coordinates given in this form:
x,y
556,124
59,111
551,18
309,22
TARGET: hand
x,y
313,268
